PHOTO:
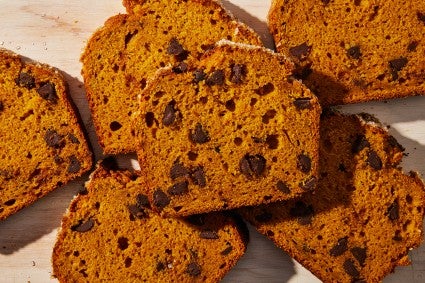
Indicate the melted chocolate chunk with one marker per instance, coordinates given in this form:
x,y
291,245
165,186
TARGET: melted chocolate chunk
x,y
25,80
216,78
300,51
178,170
374,160
180,68
354,52
198,176
83,226
193,269
174,47
303,212
412,46
48,92
170,113
303,103
73,139
340,247
136,211
160,199
252,165
238,73
283,187
351,269
199,75
265,89
142,201
304,163
359,254
227,250
178,189
208,234
74,165
52,138
397,65
160,266
199,135
393,211
359,143
421,17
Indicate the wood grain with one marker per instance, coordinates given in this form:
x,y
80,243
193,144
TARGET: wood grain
x,y
55,32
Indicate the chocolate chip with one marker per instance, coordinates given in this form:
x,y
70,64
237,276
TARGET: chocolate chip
x,y
421,17
199,75
160,199
397,65
412,46
263,217
350,268
178,189
304,163
393,211
52,138
136,211
142,201
309,184
73,139
265,89
227,250
170,113
193,269
283,187
208,234
359,254
374,160
199,135
354,52
198,176
303,212
160,266
303,103
48,92
74,165
25,80
180,68
196,219
340,247
1,106
83,226
238,73
300,51
252,165
216,78
174,47
57,159
359,143
178,170
115,126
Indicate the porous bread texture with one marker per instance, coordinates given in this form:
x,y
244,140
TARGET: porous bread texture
x,y
353,51
122,55
364,217
42,145
109,233
237,130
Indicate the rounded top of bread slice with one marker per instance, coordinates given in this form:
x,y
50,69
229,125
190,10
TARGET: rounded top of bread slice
x,y
121,57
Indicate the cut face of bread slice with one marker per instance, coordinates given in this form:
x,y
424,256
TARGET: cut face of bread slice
x,y
350,51
235,131
42,145
365,215
110,234
121,57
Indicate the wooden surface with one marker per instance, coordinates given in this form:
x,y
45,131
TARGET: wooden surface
x,y
55,32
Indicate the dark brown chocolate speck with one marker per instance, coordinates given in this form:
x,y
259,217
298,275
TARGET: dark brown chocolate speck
x,y
283,187
178,189
180,68
354,52
198,176
199,75
216,78
359,254
74,165
52,138
393,211
304,163
300,51
160,199
83,226
73,139
252,165
374,160
227,250
238,73
340,247
174,47
170,113
199,135
48,92
412,46
178,170
350,268
359,143
265,89
25,80
421,17
193,269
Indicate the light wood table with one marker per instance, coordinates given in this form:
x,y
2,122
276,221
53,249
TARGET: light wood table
x,y
55,32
